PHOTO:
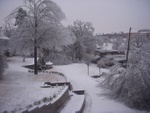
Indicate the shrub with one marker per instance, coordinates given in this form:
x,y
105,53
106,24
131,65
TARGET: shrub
x,y
13,111
37,102
29,106
132,86
105,63
58,59
50,98
54,96
5,112
45,99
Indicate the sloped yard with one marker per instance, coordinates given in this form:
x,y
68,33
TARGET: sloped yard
x,y
19,88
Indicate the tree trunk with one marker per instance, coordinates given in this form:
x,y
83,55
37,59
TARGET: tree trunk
x,y
35,61
35,42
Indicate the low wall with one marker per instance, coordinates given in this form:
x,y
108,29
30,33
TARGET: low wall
x,y
46,71
80,92
58,84
55,107
82,107
51,107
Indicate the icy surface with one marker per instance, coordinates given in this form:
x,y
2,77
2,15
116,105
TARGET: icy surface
x,y
19,88
77,74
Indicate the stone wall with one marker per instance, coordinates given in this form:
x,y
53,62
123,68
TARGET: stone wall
x,y
51,107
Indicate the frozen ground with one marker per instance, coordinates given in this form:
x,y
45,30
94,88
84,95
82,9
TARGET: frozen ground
x,y
19,88
77,74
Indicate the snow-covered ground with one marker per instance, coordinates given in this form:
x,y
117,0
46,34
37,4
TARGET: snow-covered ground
x,y
19,88
77,74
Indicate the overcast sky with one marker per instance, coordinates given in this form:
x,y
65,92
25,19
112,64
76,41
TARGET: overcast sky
x,y
107,16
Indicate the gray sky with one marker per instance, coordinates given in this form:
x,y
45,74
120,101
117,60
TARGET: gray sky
x,y
107,16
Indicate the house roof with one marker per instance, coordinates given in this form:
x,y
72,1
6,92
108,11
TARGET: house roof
x,y
4,38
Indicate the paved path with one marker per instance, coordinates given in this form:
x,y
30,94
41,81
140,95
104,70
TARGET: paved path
x,y
77,75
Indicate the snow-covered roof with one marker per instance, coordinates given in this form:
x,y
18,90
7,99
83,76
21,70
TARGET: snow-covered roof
x,y
107,51
4,38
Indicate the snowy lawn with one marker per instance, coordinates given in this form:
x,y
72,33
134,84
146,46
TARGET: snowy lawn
x,y
19,88
77,74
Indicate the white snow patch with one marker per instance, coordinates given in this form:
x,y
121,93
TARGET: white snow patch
x,y
107,46
19,88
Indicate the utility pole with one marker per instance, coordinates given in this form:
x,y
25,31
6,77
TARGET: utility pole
x,y
128,48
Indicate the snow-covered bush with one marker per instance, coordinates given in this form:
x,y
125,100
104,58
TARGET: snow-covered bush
x,y
54,96
45,99
5,112
115,72
133,87
37,102
58,59
29,106
50,98
117,69
105,63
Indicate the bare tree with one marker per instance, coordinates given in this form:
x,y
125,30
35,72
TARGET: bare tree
x,y
39,27
103,39
84,34
118,43
87,58
138,40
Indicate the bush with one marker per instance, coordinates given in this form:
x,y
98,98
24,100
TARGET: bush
x,y
58,59
45,99
37,102
54,96
13,111
105,63
29,106
5,112
132,86
50,98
